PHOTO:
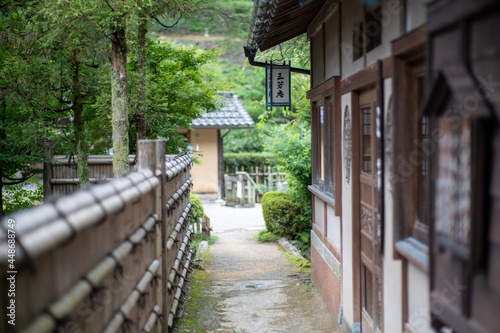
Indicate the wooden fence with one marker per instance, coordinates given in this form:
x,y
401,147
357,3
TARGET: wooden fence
x,y
109,258
239,190
61,173
260,175
263,176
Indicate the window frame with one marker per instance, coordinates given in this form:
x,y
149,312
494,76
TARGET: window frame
x,y
326,95
410,234
362,40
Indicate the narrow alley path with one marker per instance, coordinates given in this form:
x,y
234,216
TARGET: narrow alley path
x,y
250,286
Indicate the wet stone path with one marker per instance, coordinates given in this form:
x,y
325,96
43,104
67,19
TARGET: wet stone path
x,y
249,286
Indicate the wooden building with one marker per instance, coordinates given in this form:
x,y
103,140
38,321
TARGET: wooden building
x,y
206,137
405,105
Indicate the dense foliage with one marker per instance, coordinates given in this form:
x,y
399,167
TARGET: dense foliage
x,y
229,18
197,212
282,214
247,160
22,197
83,73
63,86
291,147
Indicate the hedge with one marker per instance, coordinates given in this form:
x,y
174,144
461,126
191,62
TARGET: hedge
x,y
283,214
197,212
247,160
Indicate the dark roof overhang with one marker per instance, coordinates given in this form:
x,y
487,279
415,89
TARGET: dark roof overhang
x,y
276,21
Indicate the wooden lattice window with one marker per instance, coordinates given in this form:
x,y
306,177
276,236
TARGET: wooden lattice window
x,y
410,176
325,140
458,197
367,34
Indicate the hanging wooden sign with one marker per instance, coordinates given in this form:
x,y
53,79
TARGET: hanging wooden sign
x,y
278,91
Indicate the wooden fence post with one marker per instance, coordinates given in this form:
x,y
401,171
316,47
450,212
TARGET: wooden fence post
x,y
146,155
206,226
48,151
151,155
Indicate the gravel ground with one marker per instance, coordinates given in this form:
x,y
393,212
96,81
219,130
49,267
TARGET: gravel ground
x,y
249,286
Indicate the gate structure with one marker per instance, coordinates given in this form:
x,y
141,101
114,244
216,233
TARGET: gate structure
x,y
109,258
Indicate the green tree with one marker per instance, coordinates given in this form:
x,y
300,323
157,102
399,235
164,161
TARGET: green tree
x,y
22,108
62,64
109,21
20,146
291,148
229,18
179,90
160,11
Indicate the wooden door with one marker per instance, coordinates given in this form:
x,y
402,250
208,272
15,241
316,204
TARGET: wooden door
x,y
371,265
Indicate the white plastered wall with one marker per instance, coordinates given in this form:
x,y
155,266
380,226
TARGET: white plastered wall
x,y
333,228
416,14
391,29
347,266
318,60
332,63
352,11
392,288
205,175
319,214
418,300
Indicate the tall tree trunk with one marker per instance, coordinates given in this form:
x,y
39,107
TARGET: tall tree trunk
x,y
140,116
119,102
81,142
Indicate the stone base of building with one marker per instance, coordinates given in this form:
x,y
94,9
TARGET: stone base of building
x,y
325,280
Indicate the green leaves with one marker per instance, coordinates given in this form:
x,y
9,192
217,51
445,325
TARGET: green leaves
x,y
177,89
291,147
197,213
20,196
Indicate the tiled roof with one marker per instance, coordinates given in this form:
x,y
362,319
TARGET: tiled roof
x,y
231,115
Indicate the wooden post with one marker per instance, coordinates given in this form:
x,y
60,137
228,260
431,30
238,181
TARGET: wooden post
x,y
206,226
48,150
220,165
151,155
146,154
161,232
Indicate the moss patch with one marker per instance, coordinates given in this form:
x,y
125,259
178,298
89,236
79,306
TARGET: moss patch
x,y
303,265
199,306
265,236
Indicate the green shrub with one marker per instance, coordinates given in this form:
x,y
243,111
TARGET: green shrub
x,y
283,214
197,212
247,160
197,237
17,197
292,150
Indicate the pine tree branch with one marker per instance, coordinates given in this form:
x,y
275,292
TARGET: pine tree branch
x,y
167,26
90,65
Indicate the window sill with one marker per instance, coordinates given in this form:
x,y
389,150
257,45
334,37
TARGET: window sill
x,y
416,252
326,197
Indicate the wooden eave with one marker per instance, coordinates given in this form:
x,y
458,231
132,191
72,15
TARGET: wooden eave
x,y
284,20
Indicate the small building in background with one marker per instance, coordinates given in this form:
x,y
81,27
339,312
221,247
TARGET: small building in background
x,y
206,138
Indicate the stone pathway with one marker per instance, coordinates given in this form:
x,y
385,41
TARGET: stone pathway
x,y
250,286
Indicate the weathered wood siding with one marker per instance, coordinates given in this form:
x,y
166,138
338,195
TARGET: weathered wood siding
x,y
63,178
